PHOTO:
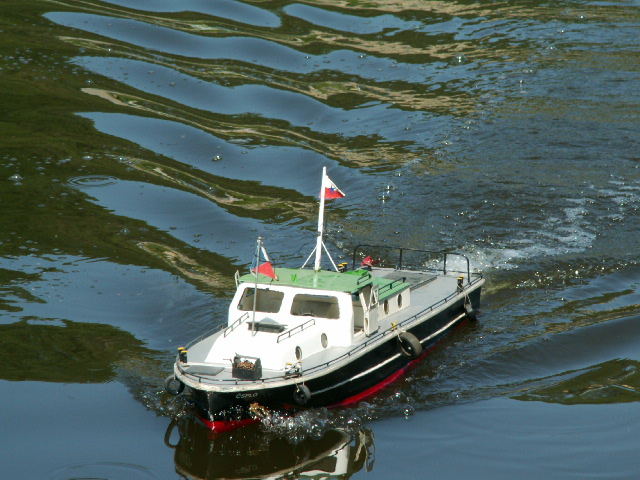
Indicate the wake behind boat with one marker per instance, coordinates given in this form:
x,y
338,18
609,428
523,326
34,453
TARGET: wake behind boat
x,y
302,337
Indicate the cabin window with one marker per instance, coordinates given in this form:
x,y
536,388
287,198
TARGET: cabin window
x,y
268,301
322,306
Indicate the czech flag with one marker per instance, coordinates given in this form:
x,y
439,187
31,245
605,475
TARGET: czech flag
x,y
266,269
330,189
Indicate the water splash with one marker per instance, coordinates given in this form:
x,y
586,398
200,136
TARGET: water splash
x,y
84,181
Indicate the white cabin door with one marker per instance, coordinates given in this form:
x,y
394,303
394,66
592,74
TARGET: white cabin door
x,y
369,300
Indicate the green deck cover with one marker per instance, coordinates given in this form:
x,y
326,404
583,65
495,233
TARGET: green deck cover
x,y
350,282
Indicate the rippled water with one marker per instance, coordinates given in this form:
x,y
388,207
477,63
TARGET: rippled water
x,y
145,144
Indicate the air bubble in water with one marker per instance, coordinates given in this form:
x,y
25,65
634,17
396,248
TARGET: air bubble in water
x,y
408,411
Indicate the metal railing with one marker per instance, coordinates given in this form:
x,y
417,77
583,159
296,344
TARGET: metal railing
x,y
235,324
441,257
390,286
297,329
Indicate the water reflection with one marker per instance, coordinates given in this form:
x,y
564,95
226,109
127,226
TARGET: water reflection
x,y
614,381
252,453
39,349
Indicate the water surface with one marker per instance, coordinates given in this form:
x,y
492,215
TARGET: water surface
x,y
145,145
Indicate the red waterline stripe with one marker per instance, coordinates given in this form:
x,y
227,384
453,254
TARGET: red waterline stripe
x,y
379,386
220,426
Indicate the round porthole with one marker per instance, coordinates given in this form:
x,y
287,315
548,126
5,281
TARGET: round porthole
x,y
399,301
298,353
323,340
386,307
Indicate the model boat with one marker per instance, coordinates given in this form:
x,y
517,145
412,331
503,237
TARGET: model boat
x,y
309,337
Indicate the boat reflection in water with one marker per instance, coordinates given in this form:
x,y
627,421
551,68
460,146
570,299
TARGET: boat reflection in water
x,y
251,453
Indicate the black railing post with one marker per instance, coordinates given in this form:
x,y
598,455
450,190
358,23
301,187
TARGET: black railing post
x,y
400,262
444,264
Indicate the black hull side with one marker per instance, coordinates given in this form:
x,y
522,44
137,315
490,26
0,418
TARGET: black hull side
x,y
342,386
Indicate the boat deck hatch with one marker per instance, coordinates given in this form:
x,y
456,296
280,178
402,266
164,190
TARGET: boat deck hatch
x,y
211,370
268,326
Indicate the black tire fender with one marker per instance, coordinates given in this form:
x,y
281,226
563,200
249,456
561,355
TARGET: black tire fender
x,y
168,433
173,386
470,312
301,394
410,346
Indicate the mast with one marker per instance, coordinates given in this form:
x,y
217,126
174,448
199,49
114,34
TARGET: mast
x,y
318,249
328,191
255,288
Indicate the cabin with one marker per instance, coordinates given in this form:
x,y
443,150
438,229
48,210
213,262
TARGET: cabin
x,y
303,314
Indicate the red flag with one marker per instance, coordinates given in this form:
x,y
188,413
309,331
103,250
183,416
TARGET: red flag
x,y
266,269
331,191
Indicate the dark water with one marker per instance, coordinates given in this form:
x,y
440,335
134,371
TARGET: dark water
x,y
146,143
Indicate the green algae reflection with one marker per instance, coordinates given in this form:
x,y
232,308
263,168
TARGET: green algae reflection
x,y
70,353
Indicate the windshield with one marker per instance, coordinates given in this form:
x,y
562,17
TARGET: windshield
x,y
322,306
268,301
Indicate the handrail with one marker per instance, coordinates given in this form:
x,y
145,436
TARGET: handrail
x,y
363,278
235,324
444,257
389,286
353,351
292,331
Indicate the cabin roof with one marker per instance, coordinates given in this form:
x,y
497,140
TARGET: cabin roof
x,y
350,281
